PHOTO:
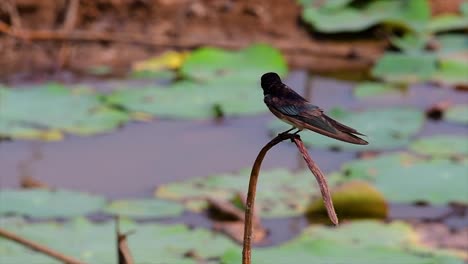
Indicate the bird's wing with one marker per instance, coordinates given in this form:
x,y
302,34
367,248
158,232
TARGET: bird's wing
x,y
309,114
312,117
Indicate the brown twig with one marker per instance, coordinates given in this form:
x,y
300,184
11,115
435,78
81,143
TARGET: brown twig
x,y
247,246
366,51
10,7
71,16
322,182
35,246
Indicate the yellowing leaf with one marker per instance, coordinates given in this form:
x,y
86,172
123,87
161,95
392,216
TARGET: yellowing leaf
x,y
355,199
169,60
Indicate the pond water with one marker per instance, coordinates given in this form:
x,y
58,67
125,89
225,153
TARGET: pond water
x,y
133,160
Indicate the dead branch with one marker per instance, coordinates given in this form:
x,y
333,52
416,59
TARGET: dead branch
x,y
366,51
327,200
71,17
249,209
40,248
10,7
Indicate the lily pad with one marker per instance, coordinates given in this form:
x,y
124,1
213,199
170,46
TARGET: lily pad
x,y
447,22
406,179
49,204
216,83
452,43
411,43
457,114
160,67
441,145
250,63
33,112
356,242
405,68
176,243
95,243
452,72
144,208
280,192
373,89
386,128
342,17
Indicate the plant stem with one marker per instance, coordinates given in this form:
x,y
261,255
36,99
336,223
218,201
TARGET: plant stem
x,y
249,208
322,182
37,247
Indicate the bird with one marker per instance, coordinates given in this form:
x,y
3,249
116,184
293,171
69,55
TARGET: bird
x,y
295,110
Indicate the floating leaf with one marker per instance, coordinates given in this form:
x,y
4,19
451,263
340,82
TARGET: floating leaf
x,y
281,194
411,43
395,67
79,239
369,169
168,60
144,208
95,243
452,43
447,22
40,203
406,179
161,66
387,128
42,112
219,83
441,145
248,64
412,15
372,89
354,199
353,243
452,72
177,244
457,114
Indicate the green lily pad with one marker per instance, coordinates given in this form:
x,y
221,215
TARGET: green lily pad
x,y
49,204
441,145
96,243
405,68
406,179
342,17
369,169
452,43
386,128
250,63
356,242
144,208
457,114
217,83
452,72
411,43
172,244
372,89
28,112
447,22
280,192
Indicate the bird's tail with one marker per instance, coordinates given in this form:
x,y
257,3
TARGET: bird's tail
x,y
345,133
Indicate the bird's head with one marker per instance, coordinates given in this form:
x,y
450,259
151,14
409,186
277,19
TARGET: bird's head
x,y
269,82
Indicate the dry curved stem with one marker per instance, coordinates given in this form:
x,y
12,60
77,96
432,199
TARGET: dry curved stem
x,y
40,248
327,200
249,208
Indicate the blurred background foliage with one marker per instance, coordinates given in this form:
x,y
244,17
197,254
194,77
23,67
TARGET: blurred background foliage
x,y
152,111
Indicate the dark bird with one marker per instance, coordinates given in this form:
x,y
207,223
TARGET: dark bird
x,y
293,109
